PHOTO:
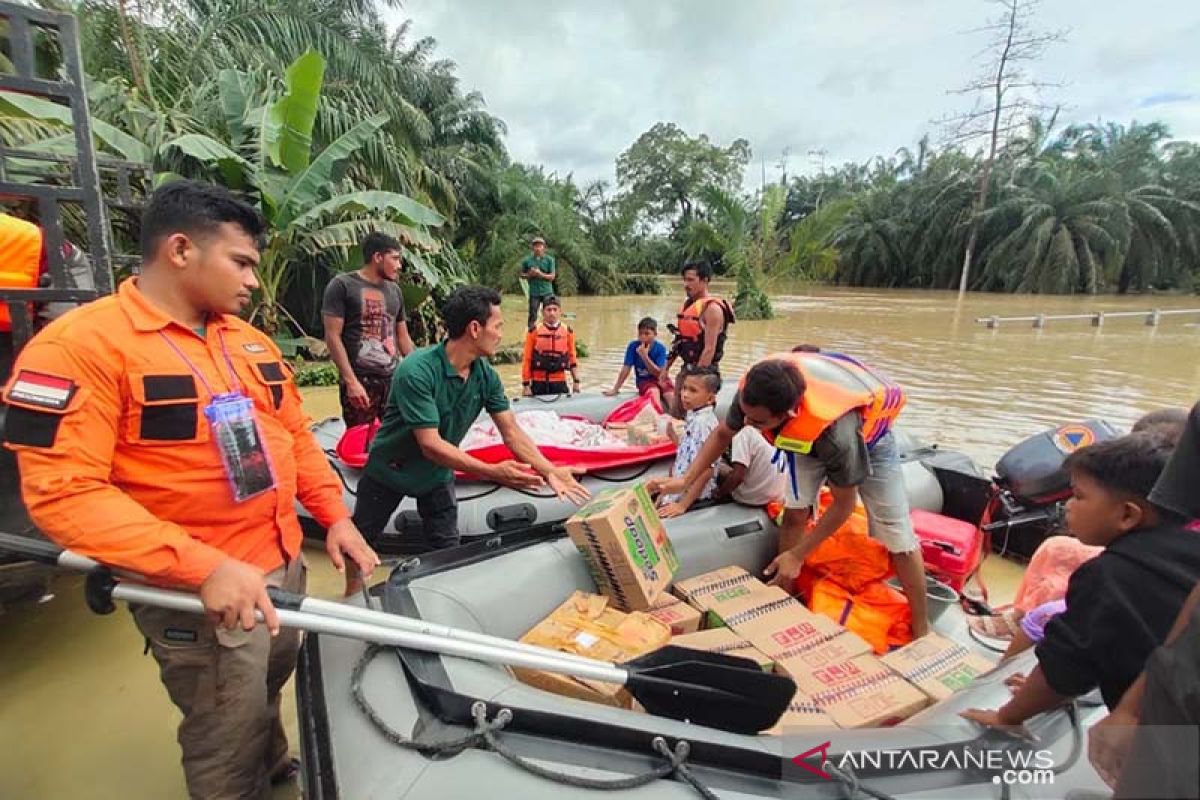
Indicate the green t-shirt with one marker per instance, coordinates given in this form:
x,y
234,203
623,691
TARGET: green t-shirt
x,y
427,392
537,286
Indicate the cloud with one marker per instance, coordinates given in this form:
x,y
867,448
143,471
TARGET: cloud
x,y
577,82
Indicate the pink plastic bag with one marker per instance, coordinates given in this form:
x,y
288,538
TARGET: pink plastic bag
x,y
1045,579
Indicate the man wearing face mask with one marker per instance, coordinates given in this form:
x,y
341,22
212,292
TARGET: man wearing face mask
x,y
158,433
437,392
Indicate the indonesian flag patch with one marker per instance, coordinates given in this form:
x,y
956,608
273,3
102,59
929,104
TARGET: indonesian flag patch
x,y
39,389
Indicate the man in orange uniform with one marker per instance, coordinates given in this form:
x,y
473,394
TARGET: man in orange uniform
x,y
158,433
701,328
549,354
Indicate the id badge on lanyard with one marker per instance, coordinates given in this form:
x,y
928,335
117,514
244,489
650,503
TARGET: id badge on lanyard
x,y
240,443
236,434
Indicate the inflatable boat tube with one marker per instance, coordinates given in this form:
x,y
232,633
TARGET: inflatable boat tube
x,y
505,586
486,508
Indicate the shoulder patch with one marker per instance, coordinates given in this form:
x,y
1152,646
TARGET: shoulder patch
x,y
255,347
41,389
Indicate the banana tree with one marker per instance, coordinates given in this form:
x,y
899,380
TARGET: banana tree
x,y
313,211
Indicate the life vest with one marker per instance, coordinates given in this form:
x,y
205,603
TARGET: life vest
x,y
20,260
551,351
689,335
836,384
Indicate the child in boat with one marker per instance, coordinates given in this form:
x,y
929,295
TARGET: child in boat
x,y
698,396
751,478
1043,588
1121,604
647,357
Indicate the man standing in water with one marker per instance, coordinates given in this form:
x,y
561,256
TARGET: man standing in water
x,y
539,271
437,393
701,326
365,329
830,417
159,434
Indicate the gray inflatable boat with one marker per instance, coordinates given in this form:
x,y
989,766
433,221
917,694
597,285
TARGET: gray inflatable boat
x,y
395,723
486,508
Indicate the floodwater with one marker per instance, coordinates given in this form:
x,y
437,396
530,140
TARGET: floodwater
x,y
969,388
83,715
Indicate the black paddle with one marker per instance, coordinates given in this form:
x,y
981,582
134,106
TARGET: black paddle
x,y
711,689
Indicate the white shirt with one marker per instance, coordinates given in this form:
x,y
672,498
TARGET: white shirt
x,y
763,482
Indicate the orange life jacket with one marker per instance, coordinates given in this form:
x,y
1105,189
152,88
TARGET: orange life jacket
x,y
689,335
20,260
836,384
551,352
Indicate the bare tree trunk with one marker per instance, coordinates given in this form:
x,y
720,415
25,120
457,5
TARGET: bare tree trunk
x,y
136,68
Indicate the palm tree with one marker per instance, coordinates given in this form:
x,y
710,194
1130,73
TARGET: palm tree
x,y
871,242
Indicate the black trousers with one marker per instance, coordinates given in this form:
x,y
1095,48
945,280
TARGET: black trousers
x,y
535,305
539,388
438,509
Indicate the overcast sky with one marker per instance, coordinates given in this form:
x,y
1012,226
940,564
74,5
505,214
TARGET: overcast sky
x,y
577,82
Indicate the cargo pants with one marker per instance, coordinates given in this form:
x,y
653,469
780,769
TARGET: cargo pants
x,y
227,684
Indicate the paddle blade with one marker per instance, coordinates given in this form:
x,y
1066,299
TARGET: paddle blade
x,y
711,689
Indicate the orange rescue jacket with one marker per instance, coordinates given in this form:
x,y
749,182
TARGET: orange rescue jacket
x,y
835,385
689,336
21,262
117,459
549,353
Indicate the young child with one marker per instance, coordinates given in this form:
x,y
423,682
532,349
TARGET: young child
x,y
647,357
1121,604
698,395
753,479
549,354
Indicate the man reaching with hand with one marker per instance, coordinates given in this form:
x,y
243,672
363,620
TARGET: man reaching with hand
x,y
829,418
437,392
159,434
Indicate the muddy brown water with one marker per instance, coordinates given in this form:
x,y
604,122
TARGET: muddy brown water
x,y
82,714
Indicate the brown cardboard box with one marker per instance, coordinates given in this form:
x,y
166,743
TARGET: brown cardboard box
x,y
802,712
626,546
861,693
824,648
936,665
694,590
745,602
586,625
678,615
724,640
784,629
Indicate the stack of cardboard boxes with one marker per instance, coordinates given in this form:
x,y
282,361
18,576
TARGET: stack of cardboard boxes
x,y
839,682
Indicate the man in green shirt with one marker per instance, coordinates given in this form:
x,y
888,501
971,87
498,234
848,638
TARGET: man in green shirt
x,y
538,270
437,392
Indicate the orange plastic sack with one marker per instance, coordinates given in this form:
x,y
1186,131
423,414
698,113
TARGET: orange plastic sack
x,y
878,613
849,557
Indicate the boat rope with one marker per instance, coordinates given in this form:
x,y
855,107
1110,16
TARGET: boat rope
x,y
850,782
484,737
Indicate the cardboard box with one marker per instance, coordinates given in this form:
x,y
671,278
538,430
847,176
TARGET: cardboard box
x,y
728,582
743,603
587,625
724,640
802,712
937,666
676,614
828,647
626,546
862,692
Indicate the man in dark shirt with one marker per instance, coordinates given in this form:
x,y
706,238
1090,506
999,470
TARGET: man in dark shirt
x,y
365,329
540,272
1122,603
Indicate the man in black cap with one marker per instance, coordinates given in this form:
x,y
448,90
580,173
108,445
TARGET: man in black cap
x,y
1149,746
539,271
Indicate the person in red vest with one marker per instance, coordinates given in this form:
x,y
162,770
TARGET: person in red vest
x,y
549,354
830,420
701,326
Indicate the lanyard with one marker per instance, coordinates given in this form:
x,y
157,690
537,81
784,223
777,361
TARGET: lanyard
x,y
235,383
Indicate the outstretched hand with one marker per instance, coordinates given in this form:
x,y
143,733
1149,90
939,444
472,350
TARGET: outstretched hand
x,y
562,481
784,570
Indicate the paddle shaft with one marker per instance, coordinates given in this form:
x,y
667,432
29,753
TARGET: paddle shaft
x,y
529,658
50,553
